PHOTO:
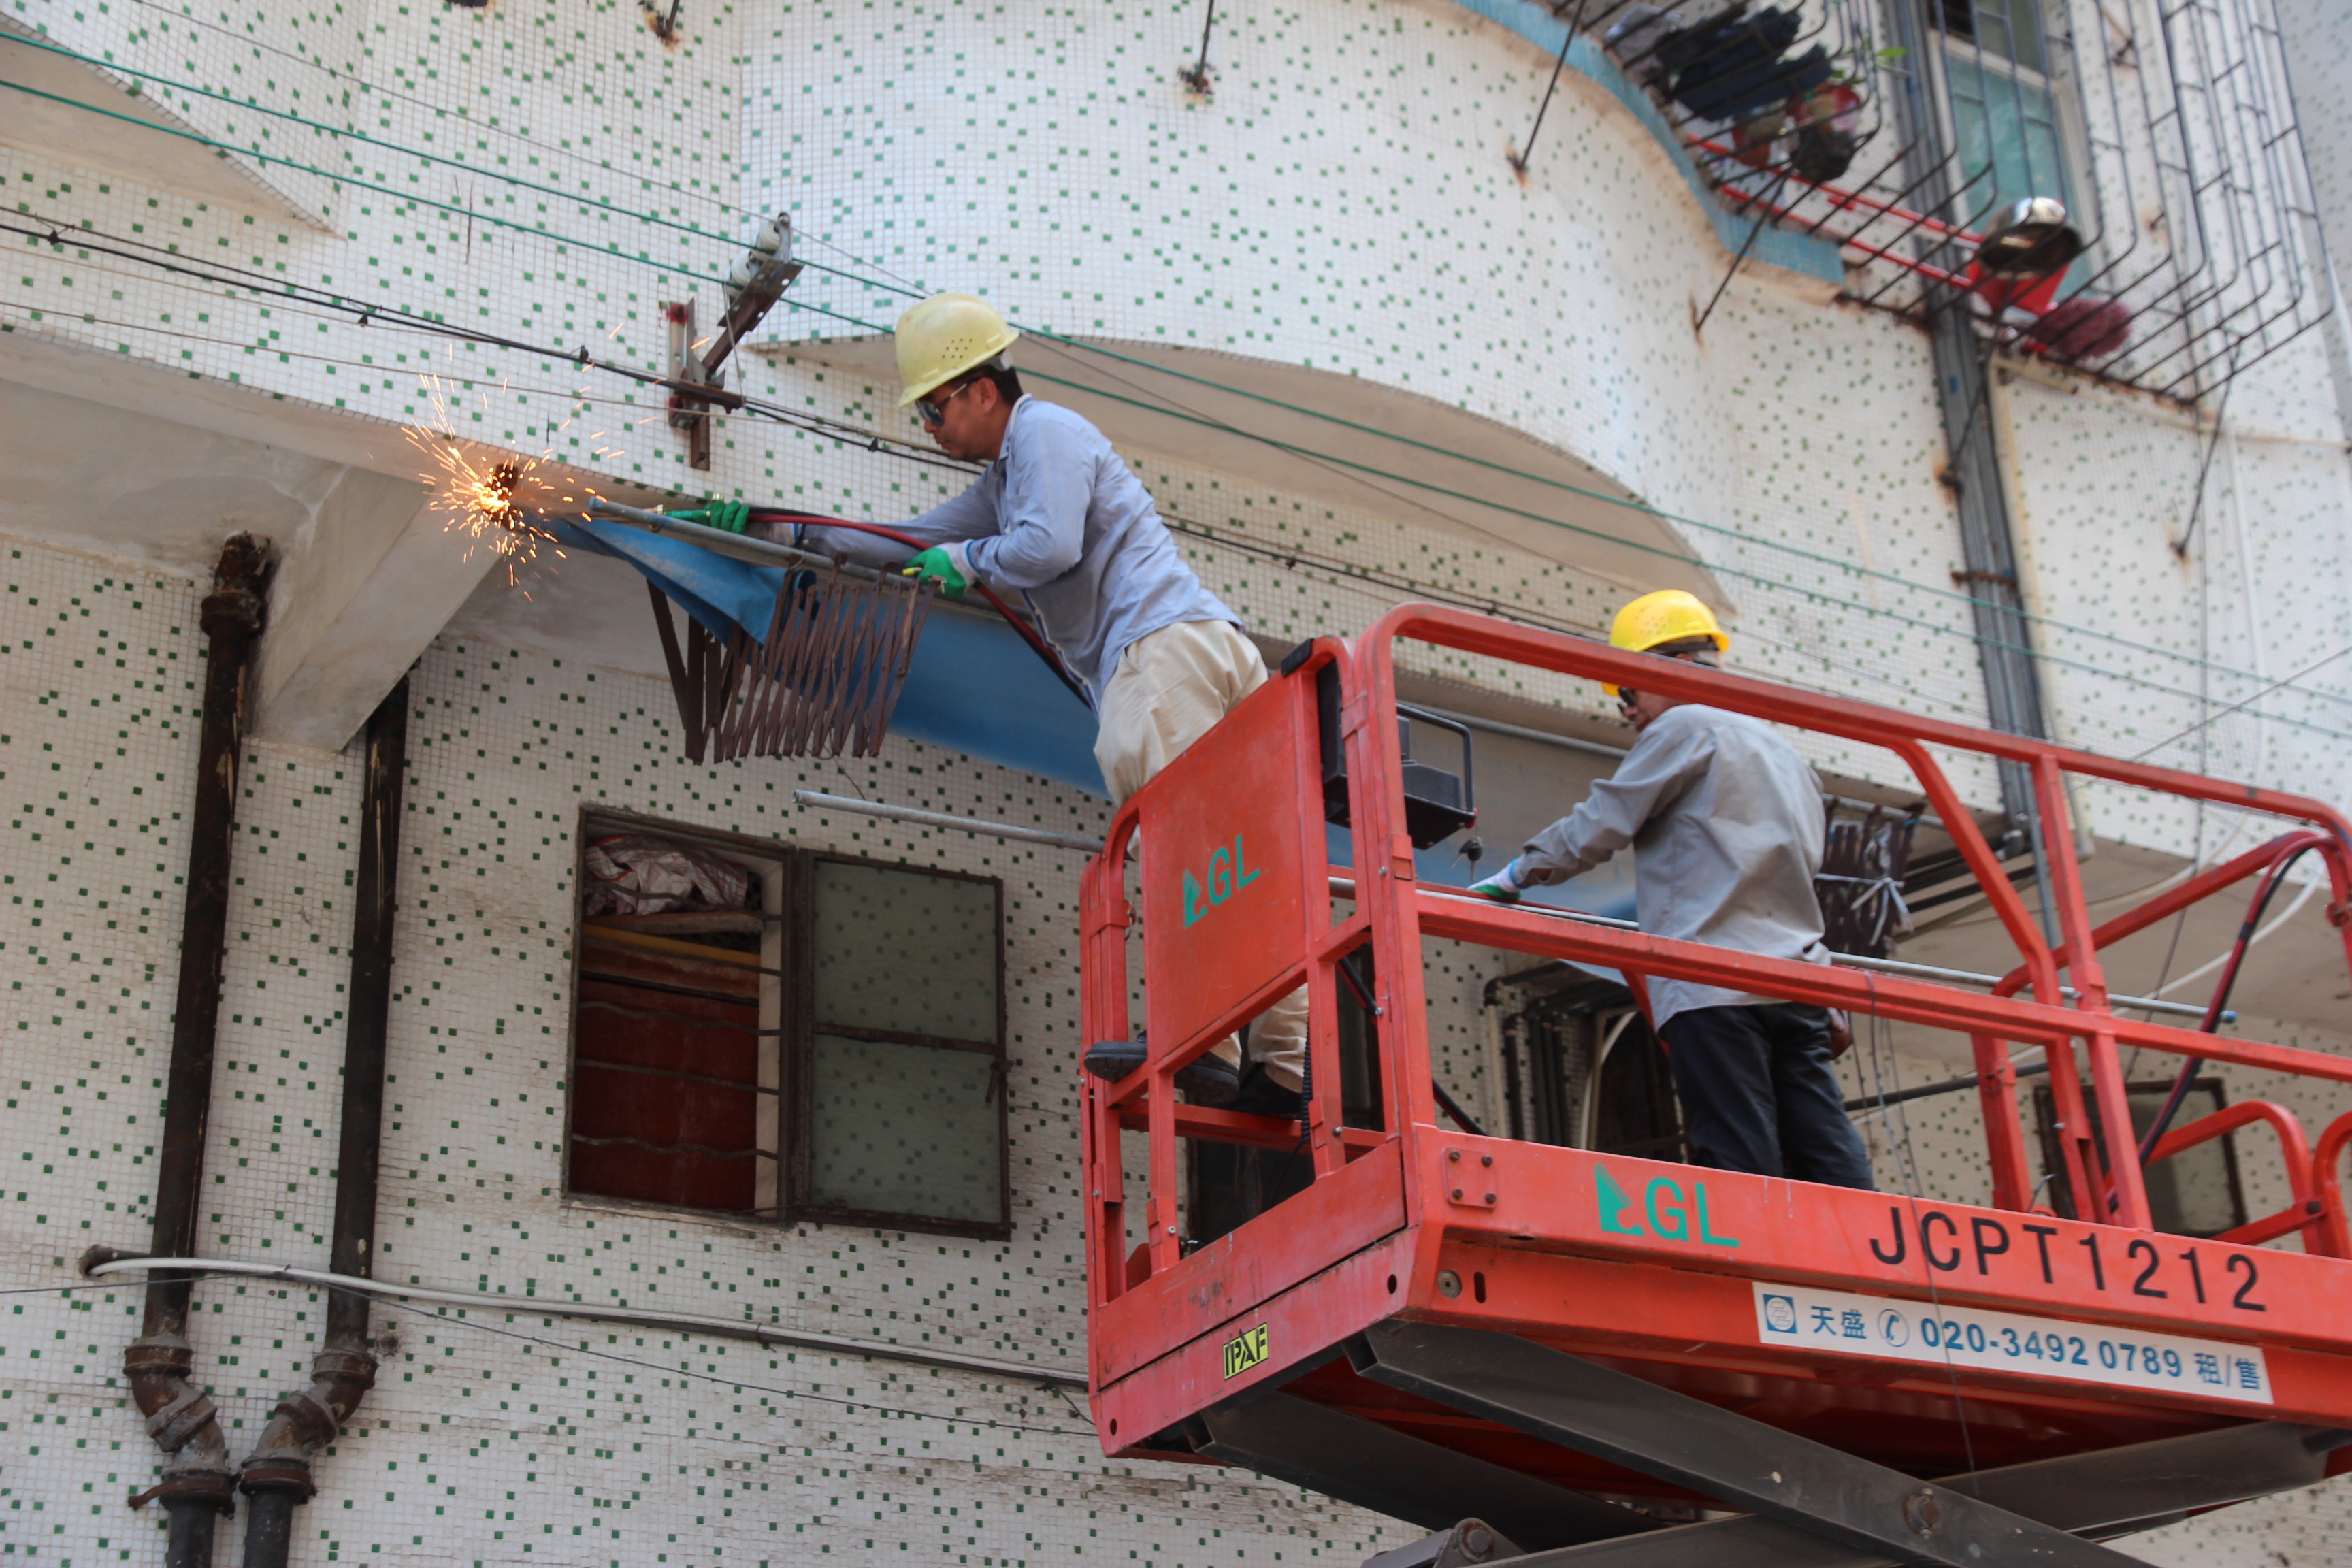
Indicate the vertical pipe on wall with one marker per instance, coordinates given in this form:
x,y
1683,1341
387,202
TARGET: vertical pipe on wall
x,y
196,1487
2013,697
277,1475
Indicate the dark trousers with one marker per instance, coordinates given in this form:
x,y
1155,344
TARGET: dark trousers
x,y
1759,1094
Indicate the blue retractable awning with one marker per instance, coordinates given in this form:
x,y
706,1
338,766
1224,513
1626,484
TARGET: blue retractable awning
x,y
974,687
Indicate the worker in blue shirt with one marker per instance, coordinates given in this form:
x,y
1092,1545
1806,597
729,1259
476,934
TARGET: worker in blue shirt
x,y
1058,516
1725,823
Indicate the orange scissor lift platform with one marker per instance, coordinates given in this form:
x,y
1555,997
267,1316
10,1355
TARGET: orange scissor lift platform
x,y
1448,1326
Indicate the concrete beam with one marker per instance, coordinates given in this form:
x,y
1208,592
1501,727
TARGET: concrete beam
x,y
362,587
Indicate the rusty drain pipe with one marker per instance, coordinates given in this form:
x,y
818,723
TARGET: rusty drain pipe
x,y
196,1489
277,1475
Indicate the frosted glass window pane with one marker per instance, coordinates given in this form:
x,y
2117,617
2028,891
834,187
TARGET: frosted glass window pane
x,y
898,950
906,1130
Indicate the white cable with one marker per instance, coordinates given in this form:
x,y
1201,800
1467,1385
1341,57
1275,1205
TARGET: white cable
x,y
2262,734
2286,915
2210,965
542,1307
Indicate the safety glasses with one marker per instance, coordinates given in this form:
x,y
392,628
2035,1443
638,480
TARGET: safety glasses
x,y
934,410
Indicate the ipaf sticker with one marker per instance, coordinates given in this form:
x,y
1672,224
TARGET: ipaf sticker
x,y
1244,1351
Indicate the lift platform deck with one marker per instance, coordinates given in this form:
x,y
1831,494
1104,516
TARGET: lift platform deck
x,y
1450,1327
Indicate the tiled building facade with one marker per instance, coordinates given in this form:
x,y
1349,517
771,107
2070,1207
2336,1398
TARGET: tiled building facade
x,y
1342,203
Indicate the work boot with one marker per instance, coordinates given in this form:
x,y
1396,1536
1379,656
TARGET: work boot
x,y
1206,1081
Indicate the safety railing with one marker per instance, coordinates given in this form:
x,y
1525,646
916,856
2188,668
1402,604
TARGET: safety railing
x,y
1253,920
2303,1212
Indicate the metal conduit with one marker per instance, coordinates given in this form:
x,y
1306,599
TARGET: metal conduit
x,y
276,1474
196,1487
101,1263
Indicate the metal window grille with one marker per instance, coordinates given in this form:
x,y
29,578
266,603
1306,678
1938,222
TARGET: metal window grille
x,y
2167,127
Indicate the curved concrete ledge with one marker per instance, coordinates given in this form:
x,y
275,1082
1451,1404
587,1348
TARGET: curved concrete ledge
x,y
1775,246
1347,440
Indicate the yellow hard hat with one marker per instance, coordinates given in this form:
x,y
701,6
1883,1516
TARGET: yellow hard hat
x,y
1656,619
945,336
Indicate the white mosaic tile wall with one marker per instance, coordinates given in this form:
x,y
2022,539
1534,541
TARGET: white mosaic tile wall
x,y
2104,489
607,1460
552,176
520,1438
1341,201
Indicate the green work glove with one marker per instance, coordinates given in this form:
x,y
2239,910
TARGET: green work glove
x,y
936,562
727,516
1504,887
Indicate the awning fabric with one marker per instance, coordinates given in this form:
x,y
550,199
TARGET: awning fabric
x,y
974,687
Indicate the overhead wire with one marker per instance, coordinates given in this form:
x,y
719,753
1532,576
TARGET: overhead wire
x,y
839,431
1047,335
1588,493
59,236
591,248
547,149
552,150
365,138
1162,406
2234,707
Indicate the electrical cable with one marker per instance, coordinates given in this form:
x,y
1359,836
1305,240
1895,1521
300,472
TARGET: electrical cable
x,y
1327,460
539,148
819,425
515,180
1912,621
1304,452
1046,336
1910,1167
409,197
841,431
545,149
2234,707
2234,959
814,424
1677,519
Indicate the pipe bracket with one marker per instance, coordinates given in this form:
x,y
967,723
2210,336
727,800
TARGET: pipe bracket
x,y
216,1487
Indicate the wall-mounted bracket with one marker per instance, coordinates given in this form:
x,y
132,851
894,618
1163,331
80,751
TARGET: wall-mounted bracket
x,y
754,285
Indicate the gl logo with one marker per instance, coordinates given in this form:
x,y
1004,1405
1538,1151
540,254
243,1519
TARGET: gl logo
x,y
1228,875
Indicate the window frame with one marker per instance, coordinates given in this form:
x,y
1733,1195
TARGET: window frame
x,y
2075,172
802,1027
2047,1132
789,1029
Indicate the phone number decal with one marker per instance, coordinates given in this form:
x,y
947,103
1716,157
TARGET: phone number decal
x,y
1838,1323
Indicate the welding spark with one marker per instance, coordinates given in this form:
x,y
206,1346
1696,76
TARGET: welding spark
x,y
491,496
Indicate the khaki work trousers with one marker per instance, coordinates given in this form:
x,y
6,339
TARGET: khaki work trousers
x,y
1169,688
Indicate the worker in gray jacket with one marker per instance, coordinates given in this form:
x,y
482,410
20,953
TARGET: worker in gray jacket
x,y
1059,517
1726,822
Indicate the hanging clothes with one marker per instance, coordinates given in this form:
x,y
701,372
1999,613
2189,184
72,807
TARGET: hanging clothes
x,y
1727,68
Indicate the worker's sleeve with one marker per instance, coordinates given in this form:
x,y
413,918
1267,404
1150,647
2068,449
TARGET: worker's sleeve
x,y
1049,486
1662,764
972,515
